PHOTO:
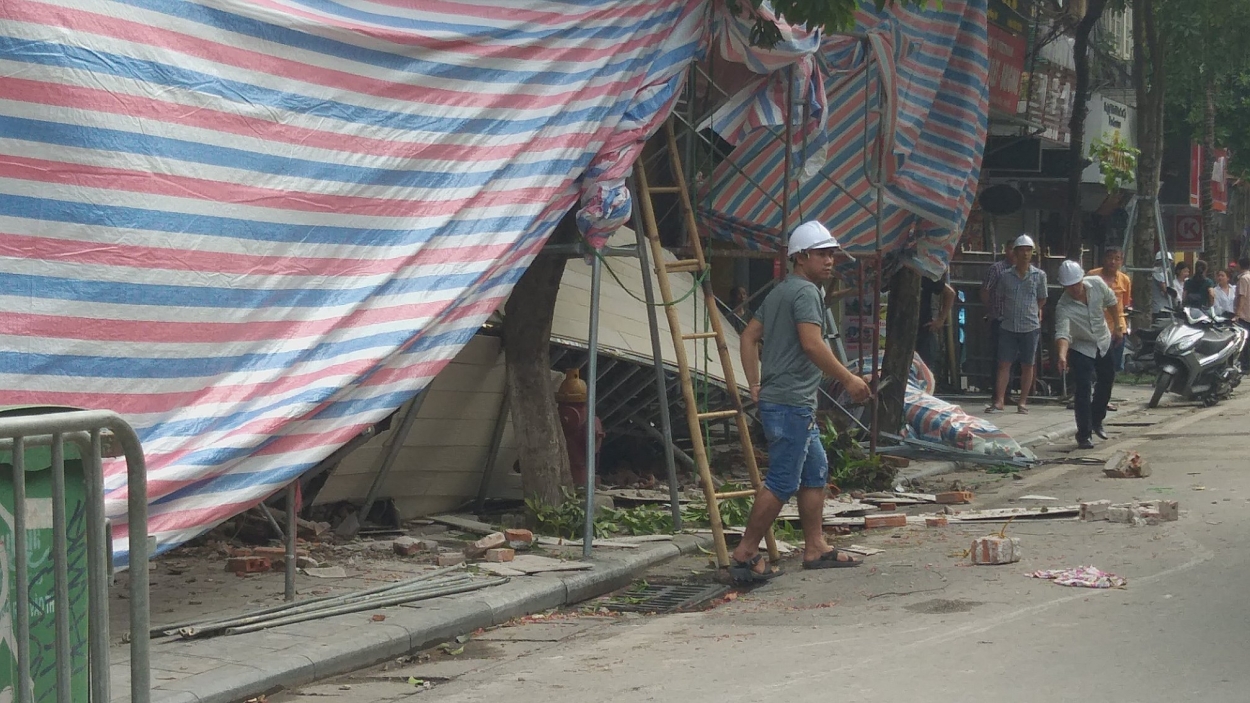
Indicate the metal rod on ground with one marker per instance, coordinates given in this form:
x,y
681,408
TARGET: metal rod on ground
x,y
204,624
370,605
398,435
194,632
273,522
289,580
657,359
492,456
592,382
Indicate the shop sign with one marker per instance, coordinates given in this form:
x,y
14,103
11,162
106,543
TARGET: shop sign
x,y
1219,178
1006,69
1109,121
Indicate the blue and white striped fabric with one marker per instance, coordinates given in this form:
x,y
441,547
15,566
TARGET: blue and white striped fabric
x,y
256,227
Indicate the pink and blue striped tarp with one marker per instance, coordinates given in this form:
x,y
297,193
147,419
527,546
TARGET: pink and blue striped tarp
x,y
932,67
255,227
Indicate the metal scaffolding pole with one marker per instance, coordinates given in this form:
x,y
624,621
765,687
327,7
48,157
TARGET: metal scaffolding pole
x,y
592,381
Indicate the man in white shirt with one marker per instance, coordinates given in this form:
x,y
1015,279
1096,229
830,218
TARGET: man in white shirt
x,y
1083,343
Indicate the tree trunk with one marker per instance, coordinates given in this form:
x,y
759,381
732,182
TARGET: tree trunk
x,y
1148,80
1215,253
1076,127
541,449
902,320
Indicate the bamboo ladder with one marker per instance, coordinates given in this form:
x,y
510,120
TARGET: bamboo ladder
x,y
698,267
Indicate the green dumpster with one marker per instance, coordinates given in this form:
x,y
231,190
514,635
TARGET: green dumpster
x,y
40,572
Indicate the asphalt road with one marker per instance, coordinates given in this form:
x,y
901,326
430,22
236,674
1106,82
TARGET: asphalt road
x,y
918,624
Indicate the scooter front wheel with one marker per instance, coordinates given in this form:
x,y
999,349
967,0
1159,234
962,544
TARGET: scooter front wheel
x,y
1162,382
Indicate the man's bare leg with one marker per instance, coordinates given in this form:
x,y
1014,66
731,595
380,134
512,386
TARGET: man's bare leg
x,y
763,511
1000,388
1026,383
811,518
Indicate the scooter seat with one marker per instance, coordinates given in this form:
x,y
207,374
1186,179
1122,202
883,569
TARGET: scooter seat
x,y
1214,341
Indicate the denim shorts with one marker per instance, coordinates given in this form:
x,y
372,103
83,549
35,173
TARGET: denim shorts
x,y
1018,346
795,455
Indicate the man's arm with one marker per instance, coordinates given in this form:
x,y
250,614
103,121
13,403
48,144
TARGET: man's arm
x,y
944,309
749,348
1062,337
817,349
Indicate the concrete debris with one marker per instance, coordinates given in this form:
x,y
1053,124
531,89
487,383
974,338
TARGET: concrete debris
x,y
939,521
954,497
1150,512
327,572
1095,510
995,550
500,555
408,546
519,539
1036,497
248,565
478,549
880,521
450,558
1128,464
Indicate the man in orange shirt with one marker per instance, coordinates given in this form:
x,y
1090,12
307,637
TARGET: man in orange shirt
x,y
1117,317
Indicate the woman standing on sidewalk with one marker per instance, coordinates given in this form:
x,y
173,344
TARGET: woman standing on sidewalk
x,y
1225,294
1084,341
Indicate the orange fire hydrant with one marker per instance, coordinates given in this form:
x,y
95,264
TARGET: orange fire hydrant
x,y
571,400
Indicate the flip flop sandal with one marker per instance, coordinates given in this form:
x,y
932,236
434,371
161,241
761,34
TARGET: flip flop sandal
x,y
990,410
1022,410
744,571
829,560
1112,407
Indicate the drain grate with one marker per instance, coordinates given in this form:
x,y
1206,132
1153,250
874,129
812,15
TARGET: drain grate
x,y
666,597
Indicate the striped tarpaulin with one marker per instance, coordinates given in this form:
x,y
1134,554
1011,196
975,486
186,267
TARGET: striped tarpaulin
x,y
256,227
933,67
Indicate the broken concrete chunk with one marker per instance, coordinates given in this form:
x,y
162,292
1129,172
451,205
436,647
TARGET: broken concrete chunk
x,y
500,555
248,565
1095,510
450,559
408,546
1126,465
878,521
519,538
995,550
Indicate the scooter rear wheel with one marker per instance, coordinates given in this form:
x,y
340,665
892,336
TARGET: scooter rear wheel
x,y
1162,382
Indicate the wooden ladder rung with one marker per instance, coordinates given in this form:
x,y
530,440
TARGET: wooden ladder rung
x,y
735,494
718,415
665,190
683,265
699,335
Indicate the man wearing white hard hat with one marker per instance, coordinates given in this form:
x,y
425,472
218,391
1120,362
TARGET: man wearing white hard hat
x,y
1083,343
786,357
1020,294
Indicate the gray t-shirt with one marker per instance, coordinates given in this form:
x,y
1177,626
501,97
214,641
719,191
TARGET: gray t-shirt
x,y
787,376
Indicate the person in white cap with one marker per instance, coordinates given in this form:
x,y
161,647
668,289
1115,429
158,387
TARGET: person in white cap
x,y
786,356
1083,343
1020,293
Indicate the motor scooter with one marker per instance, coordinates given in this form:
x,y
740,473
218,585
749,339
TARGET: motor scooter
x,y
1198,357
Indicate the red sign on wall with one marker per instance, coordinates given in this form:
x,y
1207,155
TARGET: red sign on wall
x,y
1219,178
1187,230
1006,67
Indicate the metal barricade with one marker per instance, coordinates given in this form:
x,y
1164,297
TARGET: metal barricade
x,y
86,431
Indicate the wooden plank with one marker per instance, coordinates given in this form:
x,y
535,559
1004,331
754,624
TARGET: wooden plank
x,y
468,523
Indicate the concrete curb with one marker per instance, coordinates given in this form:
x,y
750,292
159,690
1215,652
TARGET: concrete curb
x,y
338,645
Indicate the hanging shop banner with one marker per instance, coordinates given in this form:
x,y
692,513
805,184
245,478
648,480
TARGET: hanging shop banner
x,y
1110,121
1010,15
1006,69
1219,178
1049,91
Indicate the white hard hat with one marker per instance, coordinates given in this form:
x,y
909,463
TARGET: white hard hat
x,y
1024,240
1070,272
810,235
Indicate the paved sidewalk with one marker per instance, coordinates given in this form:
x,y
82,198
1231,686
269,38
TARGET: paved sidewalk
x,y
238,667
